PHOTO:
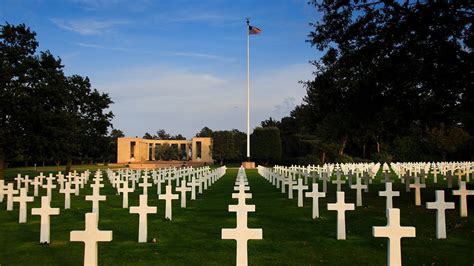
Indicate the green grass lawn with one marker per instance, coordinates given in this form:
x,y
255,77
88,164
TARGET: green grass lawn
x,y
290,236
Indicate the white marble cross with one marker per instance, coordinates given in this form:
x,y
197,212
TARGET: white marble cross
x,y
339,182
10,192
168,197
90,236
45,211
143,210
36,183
358,186
290,182
18,180
315,194
193,185
462,192
341,207
145,185
23,199
441,206
417,186
67,191
2,188
389,194
183,189
77,184
394,232
49,186
27,182
95,198
242,233
124,190
300,187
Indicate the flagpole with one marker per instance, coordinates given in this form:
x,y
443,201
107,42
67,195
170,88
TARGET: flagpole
x,y
248,90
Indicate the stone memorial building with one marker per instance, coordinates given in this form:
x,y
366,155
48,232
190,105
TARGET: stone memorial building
x,y
145,152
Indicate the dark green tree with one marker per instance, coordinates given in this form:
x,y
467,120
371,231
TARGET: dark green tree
x,y
266,144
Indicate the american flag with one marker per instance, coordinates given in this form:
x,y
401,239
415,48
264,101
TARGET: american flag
x,y
254,30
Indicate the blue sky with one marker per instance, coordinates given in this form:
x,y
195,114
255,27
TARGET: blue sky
x,y
178,65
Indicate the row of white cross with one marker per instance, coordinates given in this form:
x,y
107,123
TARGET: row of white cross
x,y
241,233
92,235
393,230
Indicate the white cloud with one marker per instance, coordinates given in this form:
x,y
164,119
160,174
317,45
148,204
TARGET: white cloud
x,y
184,101
88,26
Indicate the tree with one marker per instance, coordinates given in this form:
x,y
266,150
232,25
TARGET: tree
x,y
389,66
223,146
45,115
270,123
148,136
266,144
161,134
447,141
17,48
205,132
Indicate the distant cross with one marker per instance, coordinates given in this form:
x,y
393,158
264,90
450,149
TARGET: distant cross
x,y
341,207
338,180
290,183
394,232
2,188
145,185
193,185
168,197
300,187
183,189
67,191
10,192
60,179
366,179
242,233
449,177
407,177
23,199
358,186
77,185
36,182
417,186
95,198
386,175
159,181
462,192
459,173
389,194
124,190
90,236
45,211
49,186
315,194
18,180
27,181
143,210
441,206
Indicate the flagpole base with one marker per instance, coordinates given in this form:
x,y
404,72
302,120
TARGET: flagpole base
x,y
248,165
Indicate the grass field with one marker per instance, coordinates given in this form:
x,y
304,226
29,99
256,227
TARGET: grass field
x,y
290,236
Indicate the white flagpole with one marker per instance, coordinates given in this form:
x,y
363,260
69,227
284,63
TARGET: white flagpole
x,y
248,90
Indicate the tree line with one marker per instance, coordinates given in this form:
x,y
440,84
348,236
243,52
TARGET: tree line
x,y
394,83
46,115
